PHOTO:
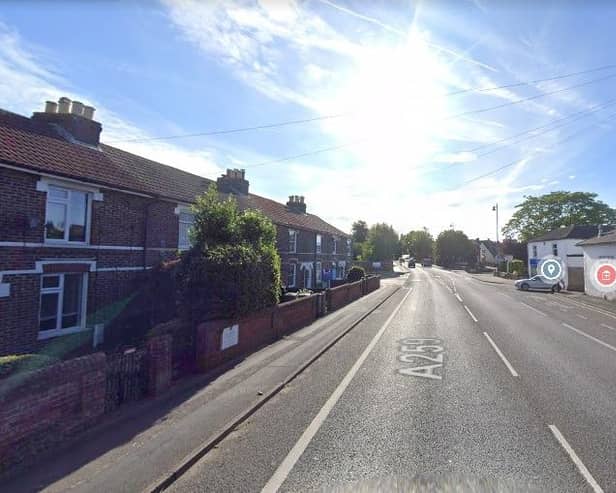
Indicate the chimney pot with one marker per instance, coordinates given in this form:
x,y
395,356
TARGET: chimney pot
x,y
51,107
64,105
77,108
88,112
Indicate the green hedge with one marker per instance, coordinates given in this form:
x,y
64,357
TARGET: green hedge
x,y
355,274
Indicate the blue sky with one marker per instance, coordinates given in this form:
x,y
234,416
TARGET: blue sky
x,y
384,69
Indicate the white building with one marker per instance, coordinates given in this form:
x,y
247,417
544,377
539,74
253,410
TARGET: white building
x,y
563,243
597,249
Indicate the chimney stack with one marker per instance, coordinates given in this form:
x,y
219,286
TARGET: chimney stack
x,y
296,204
233,181
72,119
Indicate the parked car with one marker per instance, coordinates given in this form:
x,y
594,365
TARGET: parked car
x,y
538,283
411,263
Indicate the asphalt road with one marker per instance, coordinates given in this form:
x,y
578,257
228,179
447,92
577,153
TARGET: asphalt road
x,y
451,383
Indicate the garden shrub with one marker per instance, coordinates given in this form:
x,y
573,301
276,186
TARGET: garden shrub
x,y
356,273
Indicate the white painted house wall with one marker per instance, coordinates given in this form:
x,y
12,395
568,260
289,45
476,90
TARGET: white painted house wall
x,y
592,253
570,254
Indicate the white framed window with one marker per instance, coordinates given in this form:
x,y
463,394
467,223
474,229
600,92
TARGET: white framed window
x,y
534,251
335,247
341,269
67,215
63,304
555,249
348,242
292,241
292,275
318,270
319,243
185,220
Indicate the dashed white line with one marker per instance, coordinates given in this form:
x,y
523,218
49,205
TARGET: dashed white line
x,y
576,460
608,326
471,314
581,316
534,309
598,341
459,298
502,356
280,475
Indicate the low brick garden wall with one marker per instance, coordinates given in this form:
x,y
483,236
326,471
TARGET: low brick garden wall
x,y
40,409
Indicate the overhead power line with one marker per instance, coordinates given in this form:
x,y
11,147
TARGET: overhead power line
x,y
513,163
349,113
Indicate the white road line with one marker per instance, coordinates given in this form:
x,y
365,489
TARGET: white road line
x,y
502,356
471,314
534,309
581,316
576,460
459,298
598,341
592,309
275,482
608,326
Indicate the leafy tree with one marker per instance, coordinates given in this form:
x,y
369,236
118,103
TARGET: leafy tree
x,y
359,231
382,243
538,215
233,267
418,244
519,249
453,246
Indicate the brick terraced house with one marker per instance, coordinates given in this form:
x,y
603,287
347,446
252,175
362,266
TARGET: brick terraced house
x,y
80,221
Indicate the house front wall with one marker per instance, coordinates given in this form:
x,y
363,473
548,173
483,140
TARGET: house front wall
x,y
593,254
572,256
114,257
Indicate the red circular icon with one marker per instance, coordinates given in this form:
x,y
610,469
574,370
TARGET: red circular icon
x,y
606,275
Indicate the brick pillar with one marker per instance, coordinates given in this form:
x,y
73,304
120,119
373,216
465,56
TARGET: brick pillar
x,y
159,363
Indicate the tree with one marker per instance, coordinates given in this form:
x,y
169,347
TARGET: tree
x,y
418,244
452,247
359,231
233,267
538,215
382,243
519,249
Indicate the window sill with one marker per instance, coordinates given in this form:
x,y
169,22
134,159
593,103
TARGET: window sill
x,y
48,334
47,242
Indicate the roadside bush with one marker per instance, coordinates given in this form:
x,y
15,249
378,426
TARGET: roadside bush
x,y
355,274
17,363
517,266
233,267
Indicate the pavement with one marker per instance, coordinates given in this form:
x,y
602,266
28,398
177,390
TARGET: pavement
x,y
451,383
444,383
146,444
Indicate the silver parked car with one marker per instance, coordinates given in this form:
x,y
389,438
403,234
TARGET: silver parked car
x,y
539,283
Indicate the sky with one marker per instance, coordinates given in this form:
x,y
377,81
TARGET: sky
x,y
406,126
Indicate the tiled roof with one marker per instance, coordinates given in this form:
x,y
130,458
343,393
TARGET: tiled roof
x,y
36,146
600,240
576,232
280,214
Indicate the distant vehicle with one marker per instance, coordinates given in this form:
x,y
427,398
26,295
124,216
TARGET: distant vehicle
x,y
538,283
427,262
411,263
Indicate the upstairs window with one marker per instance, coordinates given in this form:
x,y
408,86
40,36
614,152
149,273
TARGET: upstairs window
x,y
555,249
186,221
335,245
292,241
348,242
319,243
534,251
66,217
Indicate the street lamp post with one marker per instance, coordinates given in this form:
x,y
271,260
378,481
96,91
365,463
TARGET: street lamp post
x,y
495,209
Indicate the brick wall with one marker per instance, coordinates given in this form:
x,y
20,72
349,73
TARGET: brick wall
x,y
294,315
44,407
20,202
19,315
159,363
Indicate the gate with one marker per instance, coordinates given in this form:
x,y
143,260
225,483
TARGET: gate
x,y
126,378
